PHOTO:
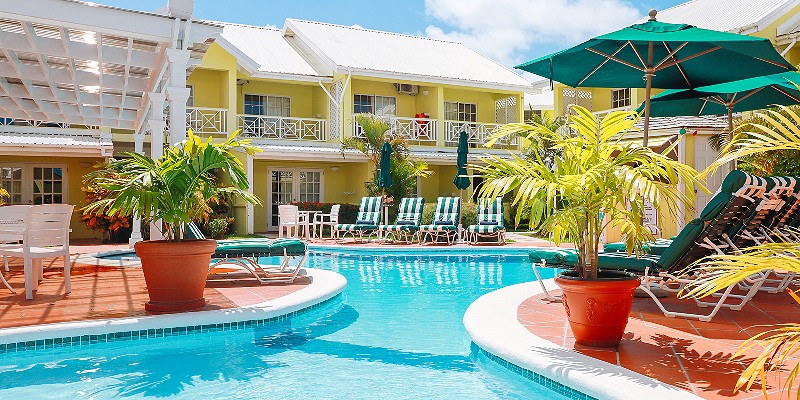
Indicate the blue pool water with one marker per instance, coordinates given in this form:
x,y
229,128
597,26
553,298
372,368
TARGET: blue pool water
x,y
397,333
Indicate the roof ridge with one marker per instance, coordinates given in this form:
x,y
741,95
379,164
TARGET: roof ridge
x,y
225,23
374,30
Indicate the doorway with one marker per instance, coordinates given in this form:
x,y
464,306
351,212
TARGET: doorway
x,y
288,185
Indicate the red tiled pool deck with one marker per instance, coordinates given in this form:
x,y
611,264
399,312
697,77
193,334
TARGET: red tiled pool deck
x,y
689,354
100,292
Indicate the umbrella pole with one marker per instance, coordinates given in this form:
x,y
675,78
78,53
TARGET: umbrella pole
x,y
730,131
648,76
460,230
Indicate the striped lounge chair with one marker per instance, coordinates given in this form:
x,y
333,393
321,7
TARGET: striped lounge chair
x,y
721,220
409,218
245,253
445,221
367,220
490,221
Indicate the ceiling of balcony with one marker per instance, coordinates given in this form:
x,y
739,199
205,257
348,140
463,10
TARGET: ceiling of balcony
x,y
76,63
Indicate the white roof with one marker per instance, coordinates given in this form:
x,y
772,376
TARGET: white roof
x,y
403,57
739,16
689,122
49,141
543,100
264,50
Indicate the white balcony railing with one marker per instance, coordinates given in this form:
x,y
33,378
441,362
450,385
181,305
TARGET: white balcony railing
x,y
418,130
479,133
41,124
204,120
285,128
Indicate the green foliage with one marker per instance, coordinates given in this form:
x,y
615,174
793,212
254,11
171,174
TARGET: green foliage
x,y
218,227
405,170
176,188
598,173
773,162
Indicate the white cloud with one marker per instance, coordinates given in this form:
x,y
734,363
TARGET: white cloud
x,y
507,30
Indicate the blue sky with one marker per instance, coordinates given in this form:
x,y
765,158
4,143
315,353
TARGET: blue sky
x,y
509,31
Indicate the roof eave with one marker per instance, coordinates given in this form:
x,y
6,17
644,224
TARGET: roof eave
x,y
433,79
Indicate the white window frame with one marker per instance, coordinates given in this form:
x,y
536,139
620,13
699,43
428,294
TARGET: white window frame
x,y
265,101
190,99
27,179
623,101
460,113
373,101
295,187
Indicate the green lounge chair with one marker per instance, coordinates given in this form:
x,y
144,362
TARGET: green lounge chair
x,y
409,218
490,221
246,252
772,208
367,220
739,196
445,221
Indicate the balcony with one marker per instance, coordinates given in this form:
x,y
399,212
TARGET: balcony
x,y
479,133
282,128
421,131
207,121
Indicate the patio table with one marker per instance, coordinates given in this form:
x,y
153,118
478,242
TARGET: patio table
x,y
308,216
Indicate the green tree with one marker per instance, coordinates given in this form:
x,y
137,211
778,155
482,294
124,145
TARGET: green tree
x,y
405,169
598,174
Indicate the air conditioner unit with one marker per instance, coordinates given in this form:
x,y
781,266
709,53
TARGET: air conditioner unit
x,y
404,88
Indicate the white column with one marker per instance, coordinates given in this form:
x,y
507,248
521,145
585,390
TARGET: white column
x,y
250,209
177,94
136,234
156,126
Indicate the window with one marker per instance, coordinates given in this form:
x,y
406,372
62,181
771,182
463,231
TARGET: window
x,y
190,100
373,104
530,113
620,98
272,106
454,111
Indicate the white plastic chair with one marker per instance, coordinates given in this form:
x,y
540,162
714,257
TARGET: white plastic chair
x,y
290,220
12,228
46,235
331,219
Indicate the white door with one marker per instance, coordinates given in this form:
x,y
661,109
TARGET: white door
x,y
287,185
34,183
704,155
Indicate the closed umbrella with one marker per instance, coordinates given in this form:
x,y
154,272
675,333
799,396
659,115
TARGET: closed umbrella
x,y
385,171
461,180
661,55
727,98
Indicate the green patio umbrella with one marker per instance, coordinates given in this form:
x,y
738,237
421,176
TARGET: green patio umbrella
x,y
727,98
461,180
661,55
385,171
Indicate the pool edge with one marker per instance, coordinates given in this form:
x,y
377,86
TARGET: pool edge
x,y
326,286
491,322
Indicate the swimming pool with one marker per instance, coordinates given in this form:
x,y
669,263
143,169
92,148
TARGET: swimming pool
x,y
396,333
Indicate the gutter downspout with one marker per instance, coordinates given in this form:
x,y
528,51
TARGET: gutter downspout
x,y
789,47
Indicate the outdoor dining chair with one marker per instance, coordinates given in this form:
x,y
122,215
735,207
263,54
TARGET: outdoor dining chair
x,y
331,220
45,235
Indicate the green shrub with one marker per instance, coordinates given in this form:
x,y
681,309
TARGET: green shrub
x,y
218,227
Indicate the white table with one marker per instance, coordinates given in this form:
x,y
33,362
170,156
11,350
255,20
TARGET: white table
x,y
308,217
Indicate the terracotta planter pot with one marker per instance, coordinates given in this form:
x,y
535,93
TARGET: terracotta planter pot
x,y
598,309
175,273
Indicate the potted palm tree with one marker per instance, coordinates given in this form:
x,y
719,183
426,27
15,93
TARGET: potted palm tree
x,y
174,189
597,178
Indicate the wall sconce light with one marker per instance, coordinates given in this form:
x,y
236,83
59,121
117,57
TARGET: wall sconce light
x,y
424,92
335,168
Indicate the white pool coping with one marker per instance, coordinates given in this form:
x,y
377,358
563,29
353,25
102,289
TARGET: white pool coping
x,y
493,325
324,286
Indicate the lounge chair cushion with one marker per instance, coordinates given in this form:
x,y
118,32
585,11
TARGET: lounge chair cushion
x,y
443,222
401,222
609,261
659,246
438,228
259,247
364,222
356,227
483,228
488,223
682,243
399,227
